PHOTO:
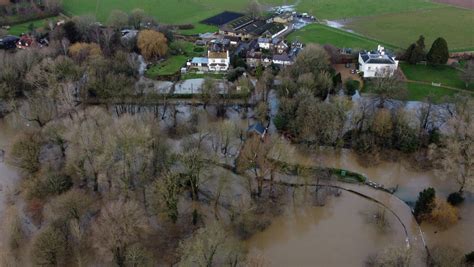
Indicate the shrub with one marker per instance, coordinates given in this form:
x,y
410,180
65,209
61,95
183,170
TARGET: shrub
x,y
455,198
25,153
198,49
443,214
83,51
470,257
352,86
425,203
50,248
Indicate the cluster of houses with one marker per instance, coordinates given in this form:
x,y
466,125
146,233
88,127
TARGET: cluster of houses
x,y
23,42
259,41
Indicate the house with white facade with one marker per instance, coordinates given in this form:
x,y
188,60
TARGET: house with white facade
x,y
218,60
377,63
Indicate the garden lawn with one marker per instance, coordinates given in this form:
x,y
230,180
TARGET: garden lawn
x,y
401,29
168,67
25,27
165,11
445,75
419,92
343,9
322,34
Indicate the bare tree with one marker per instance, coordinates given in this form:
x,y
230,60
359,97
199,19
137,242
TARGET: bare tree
x,y
254,157
120,225
210,246
467,75
387,88
455,157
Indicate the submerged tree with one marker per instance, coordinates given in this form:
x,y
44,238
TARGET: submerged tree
x,y
120,225
454,158
210,246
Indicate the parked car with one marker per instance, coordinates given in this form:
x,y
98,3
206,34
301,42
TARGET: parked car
x,y
8,42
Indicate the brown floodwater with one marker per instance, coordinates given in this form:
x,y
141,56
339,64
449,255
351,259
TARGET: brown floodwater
x,y
337,234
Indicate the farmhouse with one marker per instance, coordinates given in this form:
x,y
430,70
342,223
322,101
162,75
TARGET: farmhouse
x,y
377,63
218,61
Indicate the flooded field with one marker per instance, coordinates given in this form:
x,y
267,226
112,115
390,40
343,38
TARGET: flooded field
x,y
337,234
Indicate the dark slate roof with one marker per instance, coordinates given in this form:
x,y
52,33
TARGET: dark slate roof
x,y
257,128
282,57
376,58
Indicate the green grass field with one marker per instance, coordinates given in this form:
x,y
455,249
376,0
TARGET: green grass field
x,y
173,63
342,9
420,92
439,74
401,29
165,11
168,67
25,27
322,34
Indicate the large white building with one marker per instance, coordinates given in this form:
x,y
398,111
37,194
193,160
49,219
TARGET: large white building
x,y
218,61
377,63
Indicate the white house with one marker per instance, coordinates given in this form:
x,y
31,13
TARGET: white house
x,y
377,63
218,61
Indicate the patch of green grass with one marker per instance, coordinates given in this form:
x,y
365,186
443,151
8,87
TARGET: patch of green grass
x,y
401,29
168,67
164,11
445,75
25,27
322,34
342,9
420,92
199,28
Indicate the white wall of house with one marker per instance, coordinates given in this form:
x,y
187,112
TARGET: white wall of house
x,y
371,70
219,64
265,45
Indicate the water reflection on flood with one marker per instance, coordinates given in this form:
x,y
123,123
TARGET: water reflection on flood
x,y
337,234
392,174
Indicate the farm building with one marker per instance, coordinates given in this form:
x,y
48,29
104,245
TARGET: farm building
x,y
199,63
377,63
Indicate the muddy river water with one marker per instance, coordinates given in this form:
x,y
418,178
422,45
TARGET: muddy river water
x,y
338,234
